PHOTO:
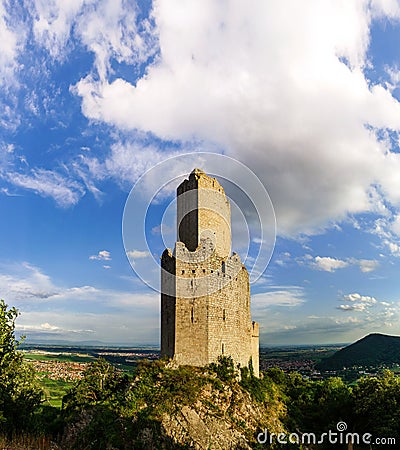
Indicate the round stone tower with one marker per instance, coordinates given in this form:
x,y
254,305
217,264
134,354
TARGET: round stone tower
x,y
205,299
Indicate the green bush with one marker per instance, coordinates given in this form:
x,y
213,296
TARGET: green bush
x,y
261,389
224,368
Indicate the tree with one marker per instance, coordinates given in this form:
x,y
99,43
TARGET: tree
x,y
19,391
102,383
93,410
377,403
315,406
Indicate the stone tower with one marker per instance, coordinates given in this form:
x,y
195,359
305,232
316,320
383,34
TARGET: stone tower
x,y
205,300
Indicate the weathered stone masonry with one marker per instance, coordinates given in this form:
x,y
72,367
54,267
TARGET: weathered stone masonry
x,y
205,300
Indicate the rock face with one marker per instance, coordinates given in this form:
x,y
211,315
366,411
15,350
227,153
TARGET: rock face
x,y
170,406
221,419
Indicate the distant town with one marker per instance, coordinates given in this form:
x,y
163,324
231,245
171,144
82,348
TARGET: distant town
x,y
68,363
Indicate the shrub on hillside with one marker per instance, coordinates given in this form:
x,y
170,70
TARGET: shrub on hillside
x,y
20,393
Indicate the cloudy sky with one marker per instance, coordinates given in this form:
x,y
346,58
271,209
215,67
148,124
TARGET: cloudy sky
x,y
304,93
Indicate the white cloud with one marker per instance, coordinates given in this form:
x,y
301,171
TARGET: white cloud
x,y
137,254
393,247
368,265
384,315
10,42
328,264
13,34
52,23
267,87
103,255
126,162
287,296
273,89
395,225
360,298
48,309
387,229
64,191
6,192
390,8
355,307
108,28
46,328
24,281
358,302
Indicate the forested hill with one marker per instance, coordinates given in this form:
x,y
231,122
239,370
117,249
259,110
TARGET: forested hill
x,y
371,350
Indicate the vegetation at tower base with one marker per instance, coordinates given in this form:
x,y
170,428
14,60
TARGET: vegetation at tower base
x,y
170,407
372,350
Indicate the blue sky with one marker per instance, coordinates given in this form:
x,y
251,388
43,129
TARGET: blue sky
x,y
304,93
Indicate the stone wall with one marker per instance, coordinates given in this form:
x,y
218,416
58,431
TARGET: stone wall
x,y
205,304
203,211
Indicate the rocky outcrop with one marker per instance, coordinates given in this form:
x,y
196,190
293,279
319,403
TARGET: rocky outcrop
x,y
221,419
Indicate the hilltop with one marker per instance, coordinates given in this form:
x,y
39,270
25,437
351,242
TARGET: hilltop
x,y
170,407
372,350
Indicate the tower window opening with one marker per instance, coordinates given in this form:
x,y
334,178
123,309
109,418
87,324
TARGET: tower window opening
x,y
192,316
223,315
223,348
193,271
183,272
204,270
223,266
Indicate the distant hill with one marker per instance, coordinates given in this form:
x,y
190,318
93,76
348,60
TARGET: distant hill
x,y
371,350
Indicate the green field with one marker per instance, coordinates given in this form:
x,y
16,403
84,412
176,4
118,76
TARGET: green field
x,y
54,390
314,354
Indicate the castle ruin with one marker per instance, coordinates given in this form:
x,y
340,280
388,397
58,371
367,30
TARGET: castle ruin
x,y
205,299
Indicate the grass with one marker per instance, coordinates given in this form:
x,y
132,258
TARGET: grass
x,y
26,442
55,390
